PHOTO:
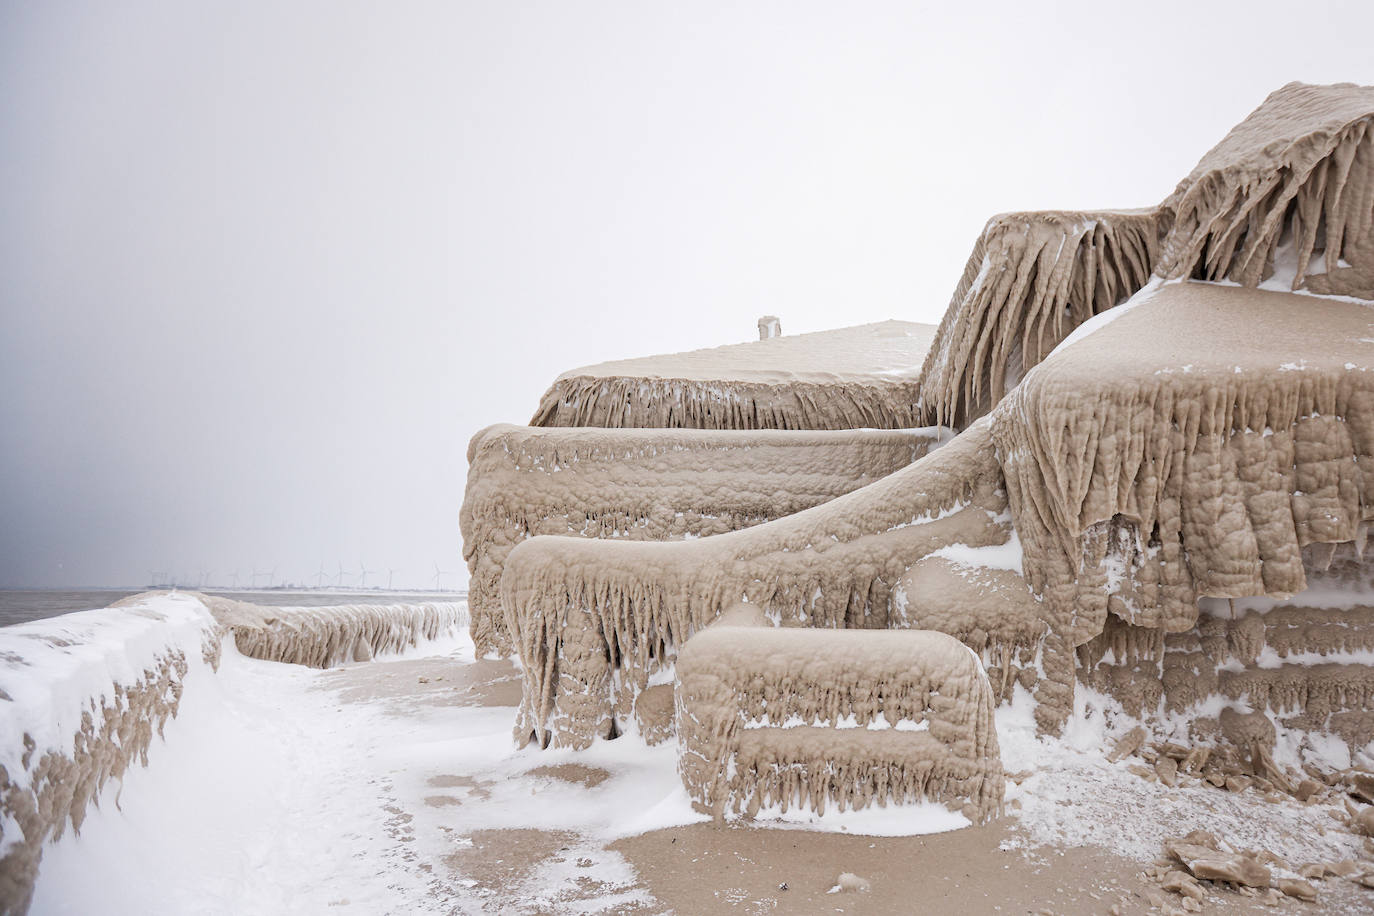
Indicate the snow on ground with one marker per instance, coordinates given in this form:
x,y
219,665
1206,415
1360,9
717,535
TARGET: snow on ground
x,y
285,789
1074,796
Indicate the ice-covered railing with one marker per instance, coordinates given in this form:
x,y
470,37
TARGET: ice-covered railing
x,y
595,620
771,717
81,697
651,484
324,636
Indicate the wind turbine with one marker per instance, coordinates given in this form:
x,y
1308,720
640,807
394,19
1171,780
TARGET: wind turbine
x,y
235,578
438,574
272,578
362,574
390,574
320,576
253,583
338,583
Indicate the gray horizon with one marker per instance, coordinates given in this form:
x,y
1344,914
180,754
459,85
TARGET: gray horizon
x,y
267,268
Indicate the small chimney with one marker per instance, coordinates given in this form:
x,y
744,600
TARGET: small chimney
x,y
769,326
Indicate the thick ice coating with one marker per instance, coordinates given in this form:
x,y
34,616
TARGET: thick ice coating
x,y
1190,448
864,376
1298,171
1031,279
321,637
651,484
780,717
573,605
1135,442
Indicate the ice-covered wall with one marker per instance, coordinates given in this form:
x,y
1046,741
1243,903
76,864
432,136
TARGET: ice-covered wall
x,y
324,636
651,484
81,697
780,717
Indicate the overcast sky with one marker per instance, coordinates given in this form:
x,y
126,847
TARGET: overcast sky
x,y
266,267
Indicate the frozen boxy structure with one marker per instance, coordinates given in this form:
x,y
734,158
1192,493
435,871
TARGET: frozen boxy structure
x,y
1159,488
775,717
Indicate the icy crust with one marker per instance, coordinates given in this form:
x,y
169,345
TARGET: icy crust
x,y
859,377
81,697
1031,279
651,484
888,717
593,621
321,637
1299,168
1183,452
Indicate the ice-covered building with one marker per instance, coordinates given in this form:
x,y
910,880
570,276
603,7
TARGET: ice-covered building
x,y
1158,429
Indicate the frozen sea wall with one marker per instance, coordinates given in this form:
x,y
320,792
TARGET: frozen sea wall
x,y
850,378
321,637
651,484
81,698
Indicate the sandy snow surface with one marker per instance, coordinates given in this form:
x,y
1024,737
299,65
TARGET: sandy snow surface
x,y
394,786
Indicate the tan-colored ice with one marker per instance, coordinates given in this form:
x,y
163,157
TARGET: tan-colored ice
x,y
1031,279
593,620
781,717
321,637
650,484
1297,170
1192,447
862,376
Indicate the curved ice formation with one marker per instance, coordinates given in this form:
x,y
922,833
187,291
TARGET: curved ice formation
x,y
651,484
1297,170
1031,279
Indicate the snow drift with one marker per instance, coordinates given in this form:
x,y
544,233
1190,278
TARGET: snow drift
x,y
81,697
